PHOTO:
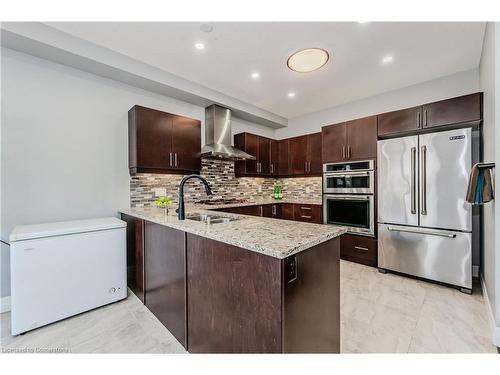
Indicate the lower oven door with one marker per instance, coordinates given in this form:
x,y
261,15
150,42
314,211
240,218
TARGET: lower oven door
x,y
356,212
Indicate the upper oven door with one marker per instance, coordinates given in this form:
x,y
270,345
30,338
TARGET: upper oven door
x,y
349,182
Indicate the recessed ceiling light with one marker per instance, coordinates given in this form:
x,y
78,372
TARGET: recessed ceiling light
x,y
255,75
387,59
307,60
291,94
199,45
362,21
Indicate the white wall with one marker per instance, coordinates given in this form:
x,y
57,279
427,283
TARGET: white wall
x,y
64,147
446,87
489,81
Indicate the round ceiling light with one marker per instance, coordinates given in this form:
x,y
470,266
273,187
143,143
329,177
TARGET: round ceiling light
x,y
307,60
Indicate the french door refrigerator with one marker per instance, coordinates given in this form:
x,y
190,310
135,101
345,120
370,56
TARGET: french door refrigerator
x,y
424,222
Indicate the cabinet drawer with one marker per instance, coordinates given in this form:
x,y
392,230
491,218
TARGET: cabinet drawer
x,y
311,213
359,249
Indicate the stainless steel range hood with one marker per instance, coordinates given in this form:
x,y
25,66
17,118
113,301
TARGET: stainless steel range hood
x,y
218,135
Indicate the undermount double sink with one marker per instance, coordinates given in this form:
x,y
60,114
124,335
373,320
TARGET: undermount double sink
x,y
211,219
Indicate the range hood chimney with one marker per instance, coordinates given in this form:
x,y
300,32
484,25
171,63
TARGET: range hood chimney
x,y
218,135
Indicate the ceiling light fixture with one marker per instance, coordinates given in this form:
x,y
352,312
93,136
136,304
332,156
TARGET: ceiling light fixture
x,y
307,60
199,46
387,59
291,94
255,75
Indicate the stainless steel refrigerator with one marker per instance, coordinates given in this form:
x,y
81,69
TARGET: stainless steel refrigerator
x,y
425,226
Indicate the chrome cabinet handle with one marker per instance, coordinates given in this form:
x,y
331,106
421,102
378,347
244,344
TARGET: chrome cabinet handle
x,y
418,120
343,152
429,232
306,216
413,185
261,211
423,179
272,168
425,117
175,159
305,208
309,166
361,248
348,152
170,159
274,209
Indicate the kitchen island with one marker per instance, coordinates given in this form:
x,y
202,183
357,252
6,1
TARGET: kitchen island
x,y
250,285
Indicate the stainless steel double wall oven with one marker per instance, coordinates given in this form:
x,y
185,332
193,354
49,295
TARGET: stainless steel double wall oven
x,y
348,196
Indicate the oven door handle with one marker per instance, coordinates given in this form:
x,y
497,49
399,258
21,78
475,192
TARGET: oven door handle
x,y
360,198
344,174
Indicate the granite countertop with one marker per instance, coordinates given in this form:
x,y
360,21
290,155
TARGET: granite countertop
x,y
274,237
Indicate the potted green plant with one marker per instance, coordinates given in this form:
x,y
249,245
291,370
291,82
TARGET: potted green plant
x,y
164,203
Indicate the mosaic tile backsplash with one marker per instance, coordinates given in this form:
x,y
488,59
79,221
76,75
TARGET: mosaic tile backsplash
x,y
220,175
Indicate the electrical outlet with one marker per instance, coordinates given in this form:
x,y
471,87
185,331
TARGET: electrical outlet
x,y
160,192
308,189
260,188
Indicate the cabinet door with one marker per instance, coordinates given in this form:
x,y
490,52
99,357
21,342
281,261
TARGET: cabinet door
x,y
135,255
334,143
465,108
362,138
405,120
298,151
150,138
252,148
284,157
165,270
314,145
287,211
267,210
264,158
274,163
186,143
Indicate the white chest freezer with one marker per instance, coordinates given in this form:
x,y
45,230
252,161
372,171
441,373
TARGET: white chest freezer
x,y
62,269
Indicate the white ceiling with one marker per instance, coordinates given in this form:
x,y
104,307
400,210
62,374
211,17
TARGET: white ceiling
x,y
422,51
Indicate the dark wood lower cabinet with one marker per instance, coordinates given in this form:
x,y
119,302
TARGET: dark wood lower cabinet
x,y
246,302
311,213
359,249
135,255
165,277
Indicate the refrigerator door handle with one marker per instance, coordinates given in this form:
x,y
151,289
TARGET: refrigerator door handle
x,y
423,180
415,231
413,197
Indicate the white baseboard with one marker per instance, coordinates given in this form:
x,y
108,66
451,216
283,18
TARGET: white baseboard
x,y
495,330
475,271
4,304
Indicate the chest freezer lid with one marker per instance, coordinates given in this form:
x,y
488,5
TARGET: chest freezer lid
x,y
28,232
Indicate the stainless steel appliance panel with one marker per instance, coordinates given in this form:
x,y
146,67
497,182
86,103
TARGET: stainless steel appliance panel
x,y
349,182
398,180
433,254
356,212
445,163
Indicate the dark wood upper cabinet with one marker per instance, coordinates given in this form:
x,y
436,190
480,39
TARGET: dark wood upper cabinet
x,y
450,113
165,277
298,151
186,141
334,143
264,158
160,142
463,109
275,158
257,146
314,158
362,138
351,140
405,120
284,157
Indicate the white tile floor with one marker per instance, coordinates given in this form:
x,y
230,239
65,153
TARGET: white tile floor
x,y
382,313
